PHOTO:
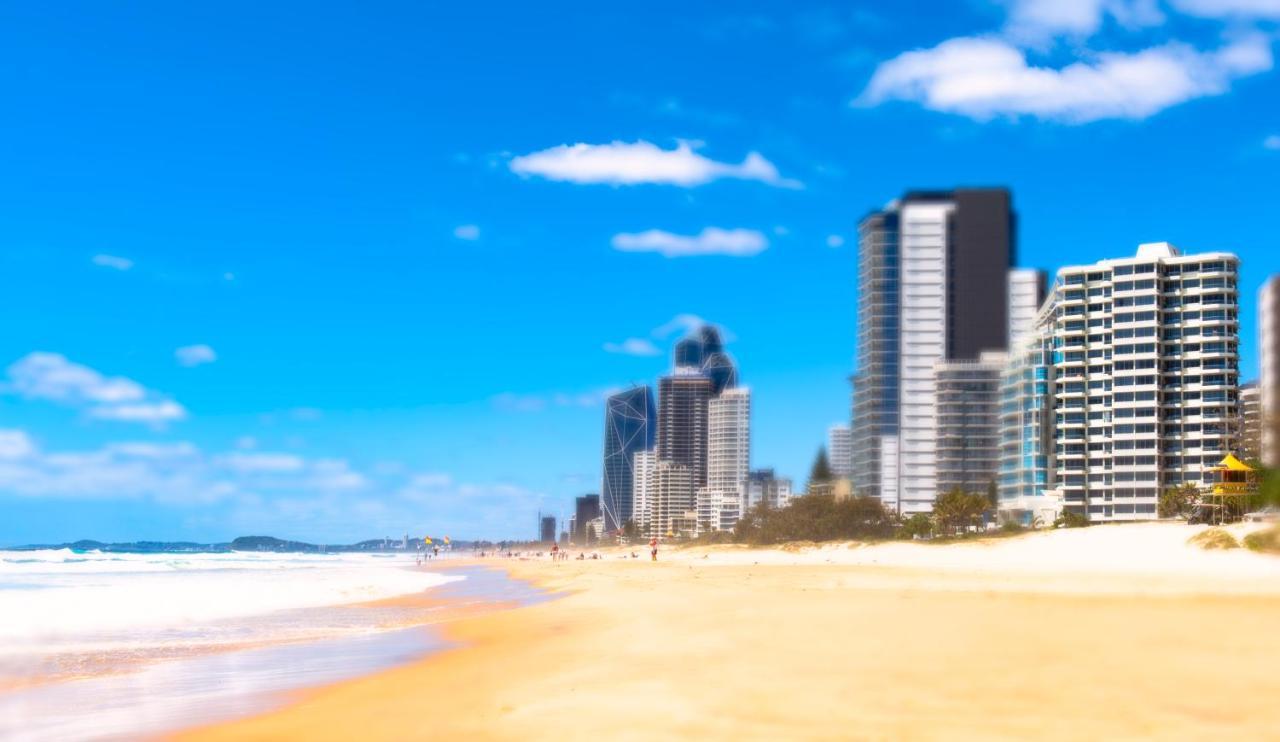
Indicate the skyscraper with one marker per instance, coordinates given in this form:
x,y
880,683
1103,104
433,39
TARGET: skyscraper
x,y
673,508
933,278
629,427
585,510
1249,433
1269,368
840,450
1142,379
1026,416
969,423
728,459
683,399
644,489
547,529
1026,294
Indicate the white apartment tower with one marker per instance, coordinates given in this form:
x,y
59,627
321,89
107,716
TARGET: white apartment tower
x,y
1144,377
1026,294
728,459
840,451
673,503
1269,369
644,489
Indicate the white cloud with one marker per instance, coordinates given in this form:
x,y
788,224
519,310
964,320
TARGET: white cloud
x,y
51,376
113,261
334,474
287,495
511,402
468,232
633,347
985,77
154,413
306,414
145,450
711,241
1239,9
1037,21
835,240
15,444
630,163
1272,142
262,462
246,443
681,323
194,355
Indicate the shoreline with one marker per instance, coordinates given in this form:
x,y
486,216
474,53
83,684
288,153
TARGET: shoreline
x,y
219,682
751,643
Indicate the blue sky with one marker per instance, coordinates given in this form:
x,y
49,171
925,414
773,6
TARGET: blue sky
x,y
406,247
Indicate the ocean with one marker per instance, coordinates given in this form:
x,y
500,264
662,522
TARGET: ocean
x,y
103,645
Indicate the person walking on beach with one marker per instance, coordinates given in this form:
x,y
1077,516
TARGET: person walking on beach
x,y
555,552
653,548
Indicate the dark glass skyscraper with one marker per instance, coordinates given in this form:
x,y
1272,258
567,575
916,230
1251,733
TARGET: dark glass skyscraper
x,y
585,510
683,398
629,427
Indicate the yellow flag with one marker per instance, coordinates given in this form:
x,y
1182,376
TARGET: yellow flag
x,y
446,540
426,539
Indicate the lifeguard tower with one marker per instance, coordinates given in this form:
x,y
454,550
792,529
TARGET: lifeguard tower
x,y
1234,483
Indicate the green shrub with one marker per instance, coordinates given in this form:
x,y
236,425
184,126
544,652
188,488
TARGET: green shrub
x,y
1071,519
1214,538
1267,540
917,525
816,518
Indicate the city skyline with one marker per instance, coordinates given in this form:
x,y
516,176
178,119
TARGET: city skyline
x,y
279,292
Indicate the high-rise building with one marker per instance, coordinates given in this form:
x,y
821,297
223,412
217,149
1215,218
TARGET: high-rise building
x,y
547,528
1269,369
1026,294
1249,432
968,413
644,484
875,384
840,450
629,426
764,487
1026,417
728,459
933,286
683,400
674,513
585,510
1142,379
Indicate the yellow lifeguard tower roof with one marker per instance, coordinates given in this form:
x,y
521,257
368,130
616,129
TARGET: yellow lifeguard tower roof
x,y
1231,463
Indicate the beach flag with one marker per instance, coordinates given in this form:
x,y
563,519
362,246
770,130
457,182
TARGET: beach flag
x,y
426,539
446,540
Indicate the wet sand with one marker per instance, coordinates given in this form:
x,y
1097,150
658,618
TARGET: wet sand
x,y
822,645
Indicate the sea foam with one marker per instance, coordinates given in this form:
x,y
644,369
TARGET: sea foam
x,y
62,600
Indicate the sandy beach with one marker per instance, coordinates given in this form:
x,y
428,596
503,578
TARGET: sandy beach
x,y
1106,632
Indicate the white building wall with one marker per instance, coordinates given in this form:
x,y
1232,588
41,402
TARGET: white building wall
x,y
729,439
1024,302
923,342
840,450
888,472
1269,367
644,485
